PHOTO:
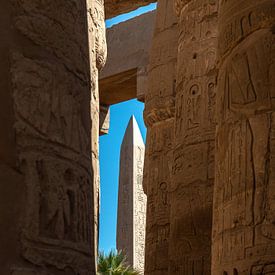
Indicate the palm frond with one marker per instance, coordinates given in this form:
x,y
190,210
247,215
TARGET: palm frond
x,y
114,263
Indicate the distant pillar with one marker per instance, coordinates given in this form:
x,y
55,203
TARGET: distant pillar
x,y
159,119
46,175
244,195
131,198
193,171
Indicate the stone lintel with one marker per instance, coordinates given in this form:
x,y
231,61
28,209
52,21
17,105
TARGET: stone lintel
x,y
125,74
117,7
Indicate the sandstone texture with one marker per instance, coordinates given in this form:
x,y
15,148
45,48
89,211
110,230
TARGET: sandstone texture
x,y
131,198
98,115
205,70
47,173
159,118
194,144
244,205
124,76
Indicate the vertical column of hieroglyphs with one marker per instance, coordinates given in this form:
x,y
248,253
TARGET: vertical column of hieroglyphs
x,y
140,200
193,171
244,206
125,234
131,198
159,118
98,52
50,83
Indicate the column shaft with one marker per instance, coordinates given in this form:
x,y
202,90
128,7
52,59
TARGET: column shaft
x,y
244,207
46,175
159,118
193,171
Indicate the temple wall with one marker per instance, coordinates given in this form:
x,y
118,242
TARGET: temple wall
x,y
46,173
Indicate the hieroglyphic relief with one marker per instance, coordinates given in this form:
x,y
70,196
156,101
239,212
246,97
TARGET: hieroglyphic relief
x,y
53,142
139,211
193,170
159,118
243,232
125,219
131,198
54,26
51,83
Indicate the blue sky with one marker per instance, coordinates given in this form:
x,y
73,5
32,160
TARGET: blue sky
x,y
110,151
127,16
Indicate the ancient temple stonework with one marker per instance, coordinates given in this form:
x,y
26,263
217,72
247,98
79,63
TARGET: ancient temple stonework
x,y
131,198
207,78
50,52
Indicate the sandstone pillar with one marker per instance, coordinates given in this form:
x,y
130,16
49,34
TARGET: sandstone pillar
x,y
244,206
193,172
98,52
46,175
131,198
159,118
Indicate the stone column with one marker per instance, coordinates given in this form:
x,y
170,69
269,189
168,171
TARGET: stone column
x,y
244,206
159,118
46,175
193,171
98,54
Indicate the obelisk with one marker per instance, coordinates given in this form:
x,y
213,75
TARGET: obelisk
x,y
131,199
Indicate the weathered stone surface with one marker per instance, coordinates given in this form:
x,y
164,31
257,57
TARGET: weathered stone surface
x,y
98,54
117,7
193,168
46,190
131,198
244,206
51,52
125,75
159,118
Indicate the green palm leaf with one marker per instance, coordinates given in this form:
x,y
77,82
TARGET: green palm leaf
x,y
114,264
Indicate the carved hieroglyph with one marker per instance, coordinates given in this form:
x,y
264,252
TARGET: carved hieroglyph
x,y
159,118
49,84
193,170
244,195
131,198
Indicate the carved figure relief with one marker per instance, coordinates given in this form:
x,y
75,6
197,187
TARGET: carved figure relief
x,y
192,179
159,118
243,232
50,82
